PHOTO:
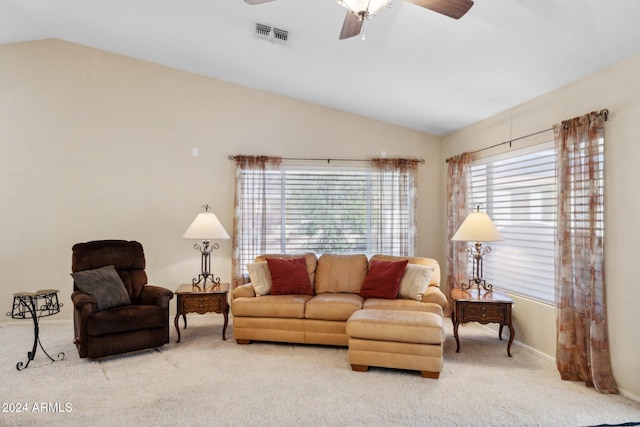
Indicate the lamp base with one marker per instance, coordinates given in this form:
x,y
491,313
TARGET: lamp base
x,y
205,267
479,283
202,278
477,252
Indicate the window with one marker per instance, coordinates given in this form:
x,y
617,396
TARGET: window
x,y
326,210
518,191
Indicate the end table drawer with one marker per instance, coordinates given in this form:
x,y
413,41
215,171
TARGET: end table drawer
x,y
483,313
203,303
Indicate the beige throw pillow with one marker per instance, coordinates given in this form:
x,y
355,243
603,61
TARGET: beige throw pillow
x,y
415,281
260,277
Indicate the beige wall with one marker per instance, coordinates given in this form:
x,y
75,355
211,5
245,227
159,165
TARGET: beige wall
x,y
95,145
618,89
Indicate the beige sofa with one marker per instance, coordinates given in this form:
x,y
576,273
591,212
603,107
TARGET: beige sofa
x,y
322,318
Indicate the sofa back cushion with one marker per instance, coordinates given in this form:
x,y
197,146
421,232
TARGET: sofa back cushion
x,y
310,258
341,273
435,277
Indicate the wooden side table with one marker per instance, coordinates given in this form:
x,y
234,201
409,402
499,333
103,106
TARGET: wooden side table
x,y
482,307
193,299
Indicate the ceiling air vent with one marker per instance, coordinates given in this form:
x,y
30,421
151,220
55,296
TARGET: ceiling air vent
x,y
280,35
274,35
263,31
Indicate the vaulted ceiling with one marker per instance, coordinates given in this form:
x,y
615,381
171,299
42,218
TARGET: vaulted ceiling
x,y
416,68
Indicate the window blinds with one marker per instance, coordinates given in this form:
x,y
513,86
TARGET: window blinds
x,y
518,191
326,210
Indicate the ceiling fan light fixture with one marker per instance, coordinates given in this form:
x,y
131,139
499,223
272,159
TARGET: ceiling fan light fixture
x,y
364,8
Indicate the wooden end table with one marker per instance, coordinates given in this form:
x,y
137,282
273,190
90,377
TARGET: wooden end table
x,y
194,299
482,307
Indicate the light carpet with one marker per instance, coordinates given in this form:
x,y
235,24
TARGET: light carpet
x,y
207,381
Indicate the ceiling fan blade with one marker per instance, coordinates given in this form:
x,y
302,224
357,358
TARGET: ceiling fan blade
x,y
351,26
253,2
452,8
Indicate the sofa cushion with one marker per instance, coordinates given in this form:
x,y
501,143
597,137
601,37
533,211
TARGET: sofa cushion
x,y
339,306
341,273
286,306
397,326
310,258
289,276
104,284
415,281
383,279
260,277
402,304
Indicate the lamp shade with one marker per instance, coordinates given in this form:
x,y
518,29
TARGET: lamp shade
x,y
477,227
206,226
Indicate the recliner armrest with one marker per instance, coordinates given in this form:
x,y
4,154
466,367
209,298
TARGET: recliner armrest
x,y
155,295
84,303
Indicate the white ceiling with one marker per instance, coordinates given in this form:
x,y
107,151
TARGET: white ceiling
x,y
416,68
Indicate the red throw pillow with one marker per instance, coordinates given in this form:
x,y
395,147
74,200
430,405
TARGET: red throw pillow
x,y
289,276
383,279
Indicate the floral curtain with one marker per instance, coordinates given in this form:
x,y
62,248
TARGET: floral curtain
x,y
458,175
582,352
392,236
250,223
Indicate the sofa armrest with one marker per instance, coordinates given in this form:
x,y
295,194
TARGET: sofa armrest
x,y
434,294
155,295
85,304
245,290
434,308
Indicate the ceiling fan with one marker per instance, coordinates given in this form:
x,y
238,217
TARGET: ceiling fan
x,y
359,10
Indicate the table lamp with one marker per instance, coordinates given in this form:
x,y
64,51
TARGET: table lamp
x,y
477,228
206,227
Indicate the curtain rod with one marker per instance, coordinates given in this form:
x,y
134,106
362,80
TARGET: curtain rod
x,y
604,113
329,160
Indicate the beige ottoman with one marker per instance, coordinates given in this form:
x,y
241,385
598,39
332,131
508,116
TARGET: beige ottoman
x,y
396,339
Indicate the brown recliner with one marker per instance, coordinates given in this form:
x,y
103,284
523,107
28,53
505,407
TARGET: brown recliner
x,y
142,324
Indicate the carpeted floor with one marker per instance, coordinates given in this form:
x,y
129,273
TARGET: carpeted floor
x,y
207,381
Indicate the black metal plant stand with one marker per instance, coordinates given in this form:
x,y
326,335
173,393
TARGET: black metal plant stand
x,y
35,305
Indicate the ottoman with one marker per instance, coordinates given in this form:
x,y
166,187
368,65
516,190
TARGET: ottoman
x,y
397,339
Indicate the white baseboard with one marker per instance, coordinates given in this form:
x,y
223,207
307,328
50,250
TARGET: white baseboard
x,y
521,345
553,360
